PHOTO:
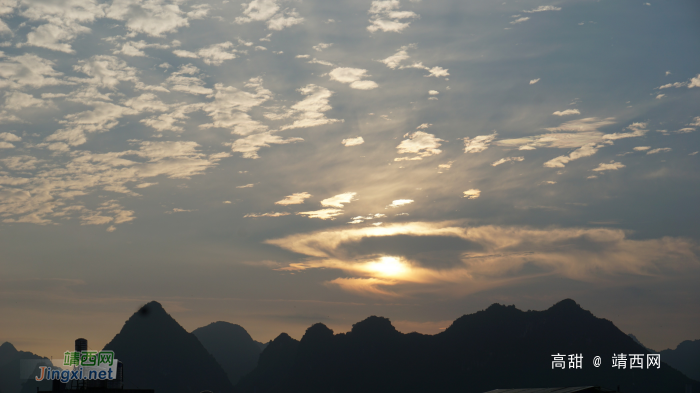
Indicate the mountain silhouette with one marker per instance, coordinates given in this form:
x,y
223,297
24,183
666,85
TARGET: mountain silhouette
x,y
635,339
500,347
159,354
685,358
11,361
231,346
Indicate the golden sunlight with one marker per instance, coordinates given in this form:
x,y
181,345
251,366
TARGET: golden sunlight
x,y
387,267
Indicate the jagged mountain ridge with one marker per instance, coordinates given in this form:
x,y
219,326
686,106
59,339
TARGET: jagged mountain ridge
x,y
10,363
685,358
231,346
500,347
160,354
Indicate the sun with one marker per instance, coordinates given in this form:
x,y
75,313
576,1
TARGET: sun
x,y
387,267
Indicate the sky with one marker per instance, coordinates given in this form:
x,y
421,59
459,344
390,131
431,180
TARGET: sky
x,y
278,163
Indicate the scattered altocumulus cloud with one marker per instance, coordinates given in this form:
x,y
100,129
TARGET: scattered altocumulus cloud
x,y
270,214
507,159
294,199
339,200
353,76
472,193
386,16
567,112
400,202
420,143
659,150
353,141
611,166
478,143
270,12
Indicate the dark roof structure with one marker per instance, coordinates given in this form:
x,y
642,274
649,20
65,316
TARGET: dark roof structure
x,y
580,389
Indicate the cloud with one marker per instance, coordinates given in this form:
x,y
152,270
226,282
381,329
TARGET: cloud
x,y
585,133
309,111
323,214
353,141
9,137
659,150
386,17
693,82
103,117
338,200
696,122
152,17
400,202
352,76
567,112
199,11
584,151
63,22
472,193
676,85
269,11
543,8
52,190
684,130
214,54
361,219
106,71
434,71
433,92
478,143
520,20
590,255
321,46
246,186
641,148
395,60
16,101
28,70
230,106
4,28
507,159
445,166
612,166
322,62
251,144
187,84
134,48
533,81
584,125
294,199
270,214
638,129
421,143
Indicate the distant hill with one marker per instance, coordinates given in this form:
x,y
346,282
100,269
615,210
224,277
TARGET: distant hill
x,y
500,347
160,354
231,346
685,358
10,363
635,339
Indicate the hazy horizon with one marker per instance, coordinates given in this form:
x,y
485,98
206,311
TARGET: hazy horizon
x,y
277,163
